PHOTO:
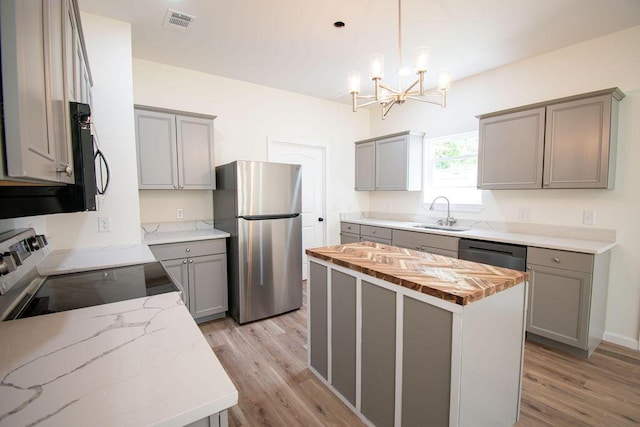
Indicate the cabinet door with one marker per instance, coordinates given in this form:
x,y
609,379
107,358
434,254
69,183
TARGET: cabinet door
x,y
365,166
576,153
71,37
391,163
195,153
426,386
59,131
208,285
156,144
378,354
318,319
343,334
511,150
30,152
559,304
177,269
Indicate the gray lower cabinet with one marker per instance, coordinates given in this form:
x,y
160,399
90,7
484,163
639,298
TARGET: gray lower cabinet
x,y
563,143
390,162
425,242
200,268
175,150
375,234
349,232
343,334
567,298
425,392
378,354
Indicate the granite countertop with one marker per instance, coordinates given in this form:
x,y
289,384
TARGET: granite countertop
x,y
132,363
450,279
541,241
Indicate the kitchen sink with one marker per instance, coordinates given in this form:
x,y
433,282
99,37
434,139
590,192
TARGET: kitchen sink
x,y
439,227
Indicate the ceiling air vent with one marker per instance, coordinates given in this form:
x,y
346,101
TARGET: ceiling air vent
x,y
178,20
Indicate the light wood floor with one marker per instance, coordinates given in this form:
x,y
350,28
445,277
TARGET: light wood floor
x,y
266,360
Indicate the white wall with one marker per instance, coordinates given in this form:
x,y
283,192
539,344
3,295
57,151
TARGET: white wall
x,y
109,50
248,114
613,60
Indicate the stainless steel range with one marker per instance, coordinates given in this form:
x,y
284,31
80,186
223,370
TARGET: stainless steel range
x,y
25,293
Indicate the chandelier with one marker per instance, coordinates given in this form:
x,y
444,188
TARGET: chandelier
x,y
388,97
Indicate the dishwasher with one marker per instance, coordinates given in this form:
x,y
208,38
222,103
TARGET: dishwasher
x,y
493,253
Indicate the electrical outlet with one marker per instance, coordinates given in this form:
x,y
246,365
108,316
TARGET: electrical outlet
x,y
179,213
104,224
589,217
524,215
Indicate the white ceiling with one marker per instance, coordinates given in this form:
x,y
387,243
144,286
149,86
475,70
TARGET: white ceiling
x,y
293,45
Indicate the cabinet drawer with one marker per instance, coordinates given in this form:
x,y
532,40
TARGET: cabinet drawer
x,y
349,238
416,240
371,231
348,227
188,249
560,259
375,240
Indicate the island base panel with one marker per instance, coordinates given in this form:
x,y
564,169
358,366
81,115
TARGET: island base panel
x,y
318,303
343,334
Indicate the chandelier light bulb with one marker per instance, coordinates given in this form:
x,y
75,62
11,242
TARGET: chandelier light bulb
x,y
376,63
444,80
421,59
354,82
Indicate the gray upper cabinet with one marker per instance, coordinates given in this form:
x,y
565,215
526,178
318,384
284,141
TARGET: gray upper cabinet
x,y
392,162
518,137
175,151
365,166
564,143
580,143
36,76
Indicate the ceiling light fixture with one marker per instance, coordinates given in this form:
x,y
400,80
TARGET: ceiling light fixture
x,y
388,97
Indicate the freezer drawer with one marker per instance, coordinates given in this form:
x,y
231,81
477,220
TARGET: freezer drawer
x,y
270,267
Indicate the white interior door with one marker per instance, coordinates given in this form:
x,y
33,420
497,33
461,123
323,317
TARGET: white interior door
x,y
312,159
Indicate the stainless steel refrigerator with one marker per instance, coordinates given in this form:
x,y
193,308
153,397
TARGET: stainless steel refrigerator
x,y
259,204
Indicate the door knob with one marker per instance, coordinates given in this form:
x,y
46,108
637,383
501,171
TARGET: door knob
x,y
322,219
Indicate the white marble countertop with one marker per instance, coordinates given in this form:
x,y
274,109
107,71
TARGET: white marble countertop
x,y
541,241
75,260
139,362
160,237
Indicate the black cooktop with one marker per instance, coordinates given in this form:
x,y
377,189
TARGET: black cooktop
x,y
86,289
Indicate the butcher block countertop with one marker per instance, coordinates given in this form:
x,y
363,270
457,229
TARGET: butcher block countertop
x,y
458,281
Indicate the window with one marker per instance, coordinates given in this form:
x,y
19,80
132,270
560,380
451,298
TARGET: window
x,y
451,170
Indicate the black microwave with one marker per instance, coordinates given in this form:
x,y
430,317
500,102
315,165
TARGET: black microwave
x,y
30,200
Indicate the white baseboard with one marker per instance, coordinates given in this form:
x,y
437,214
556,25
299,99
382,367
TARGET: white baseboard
x,y
621,340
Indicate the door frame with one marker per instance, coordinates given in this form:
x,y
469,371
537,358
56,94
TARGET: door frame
x,y
272,142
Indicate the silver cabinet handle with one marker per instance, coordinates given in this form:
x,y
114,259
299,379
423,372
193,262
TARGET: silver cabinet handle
x,y
188,250
182,186
184,262
175,186
190,261
374,232
556,259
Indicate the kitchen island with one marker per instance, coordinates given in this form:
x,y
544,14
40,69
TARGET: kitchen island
x,y
410,338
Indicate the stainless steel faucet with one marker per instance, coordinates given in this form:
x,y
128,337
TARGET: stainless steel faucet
x,y
449,221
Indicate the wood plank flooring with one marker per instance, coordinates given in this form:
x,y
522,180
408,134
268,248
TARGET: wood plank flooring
x,y
267,360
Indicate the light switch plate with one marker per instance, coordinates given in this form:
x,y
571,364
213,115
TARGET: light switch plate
x,y
524,215
104,224
179,213
589,217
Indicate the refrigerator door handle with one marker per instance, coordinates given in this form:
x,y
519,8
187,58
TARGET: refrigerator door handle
x,y
263,217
